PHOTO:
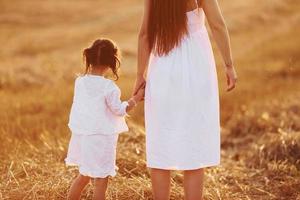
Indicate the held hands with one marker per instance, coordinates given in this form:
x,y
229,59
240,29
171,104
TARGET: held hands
x,y
231,77
137,97
139,83
140,94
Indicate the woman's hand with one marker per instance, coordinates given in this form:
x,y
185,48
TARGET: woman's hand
x,y
139,96
140,82
231,77
135,99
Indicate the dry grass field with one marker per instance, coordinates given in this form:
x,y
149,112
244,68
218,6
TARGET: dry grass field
x,y
41,46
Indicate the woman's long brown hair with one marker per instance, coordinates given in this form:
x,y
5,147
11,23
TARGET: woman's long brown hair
x,y
167,25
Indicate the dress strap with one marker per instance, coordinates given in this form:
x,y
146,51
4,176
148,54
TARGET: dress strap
x,y
198,10
197,3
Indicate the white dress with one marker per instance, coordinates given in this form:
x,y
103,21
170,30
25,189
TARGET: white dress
x,y
182,103
96,119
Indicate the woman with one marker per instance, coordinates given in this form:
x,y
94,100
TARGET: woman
x,y
176,61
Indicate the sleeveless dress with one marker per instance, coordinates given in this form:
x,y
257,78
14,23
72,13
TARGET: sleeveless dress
x,y
182,103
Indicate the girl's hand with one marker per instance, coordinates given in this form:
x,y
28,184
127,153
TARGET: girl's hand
x,y
139,83
231,77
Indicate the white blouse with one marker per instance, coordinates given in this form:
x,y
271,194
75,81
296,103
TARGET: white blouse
x,y
97,108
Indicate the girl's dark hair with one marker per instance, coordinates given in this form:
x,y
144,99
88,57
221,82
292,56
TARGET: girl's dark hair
x,y
103,52
167,25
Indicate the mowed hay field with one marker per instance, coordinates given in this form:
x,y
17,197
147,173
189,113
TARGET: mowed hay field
x,y
41,46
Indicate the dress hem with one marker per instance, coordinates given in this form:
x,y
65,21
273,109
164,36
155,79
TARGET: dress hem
x,y
183,168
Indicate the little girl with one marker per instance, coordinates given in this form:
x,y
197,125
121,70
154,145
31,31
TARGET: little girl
x,y
96,119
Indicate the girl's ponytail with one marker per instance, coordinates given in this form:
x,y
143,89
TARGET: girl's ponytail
x,y
87,57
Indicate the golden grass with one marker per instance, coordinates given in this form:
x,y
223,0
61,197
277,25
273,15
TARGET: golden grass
x,y
41,53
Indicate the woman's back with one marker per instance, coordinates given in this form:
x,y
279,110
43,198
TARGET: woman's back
x,y
182,103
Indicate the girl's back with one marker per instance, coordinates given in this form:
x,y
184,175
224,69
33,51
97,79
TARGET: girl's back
x,y
90,112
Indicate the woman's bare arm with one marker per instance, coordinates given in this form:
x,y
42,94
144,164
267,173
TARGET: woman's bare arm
x,y
221,36
218,28
143,47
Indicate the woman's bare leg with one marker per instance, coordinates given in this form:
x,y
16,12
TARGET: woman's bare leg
x,y
100,186
77,186
160,183
193,184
